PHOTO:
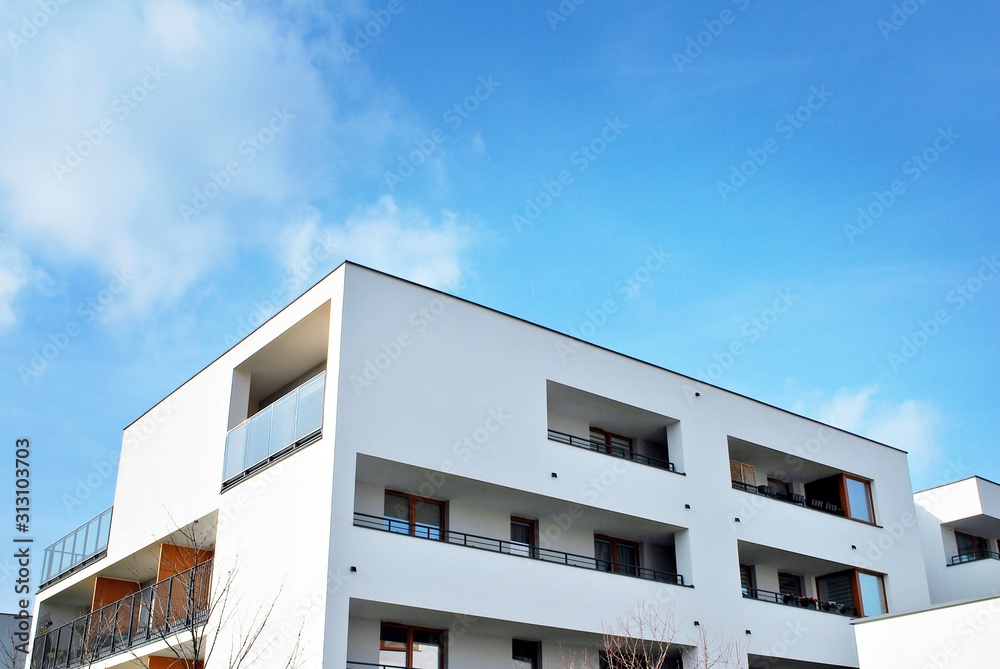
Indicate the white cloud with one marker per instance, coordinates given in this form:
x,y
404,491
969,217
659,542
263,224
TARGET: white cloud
x,y
16,272
162,96
402,241
910,425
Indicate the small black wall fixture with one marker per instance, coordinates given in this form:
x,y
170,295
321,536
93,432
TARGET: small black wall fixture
x,y
554,475
736,520
354,569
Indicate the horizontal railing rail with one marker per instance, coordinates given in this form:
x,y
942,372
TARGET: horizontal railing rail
x,y
798,601
293,420
452,537
613,451
973,556
354,665
84,544
791,498
178,603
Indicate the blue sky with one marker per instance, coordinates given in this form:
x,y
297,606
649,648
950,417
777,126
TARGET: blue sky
x,y
795,201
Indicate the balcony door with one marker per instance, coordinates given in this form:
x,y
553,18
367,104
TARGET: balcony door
x,y
417,516
405,646
616,555
612,444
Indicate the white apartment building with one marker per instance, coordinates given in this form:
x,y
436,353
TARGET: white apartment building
x,y
959,529
405,478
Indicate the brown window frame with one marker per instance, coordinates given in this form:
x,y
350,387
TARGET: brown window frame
x,y
410,629
412,511
615,542
845,500
859,605
976,539
799,579
533,523
608,436
752,572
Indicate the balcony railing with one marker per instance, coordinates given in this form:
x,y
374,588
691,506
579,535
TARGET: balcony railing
x,y
423,531
178,603
791,498
369,665
973,556
797,601
293,420
87,543
613,451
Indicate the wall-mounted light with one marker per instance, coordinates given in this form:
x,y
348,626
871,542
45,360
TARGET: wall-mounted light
x,y
697,624
554,475
747,631
354,569
687,506
697,394
853,547
736,520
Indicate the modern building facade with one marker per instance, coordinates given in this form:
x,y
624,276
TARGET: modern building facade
x,y
404,478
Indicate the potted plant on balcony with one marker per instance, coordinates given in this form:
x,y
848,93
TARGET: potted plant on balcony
x,y
830,606
847,610
789,598
808,602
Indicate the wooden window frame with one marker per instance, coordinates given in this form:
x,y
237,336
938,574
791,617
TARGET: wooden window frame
x,y
607,440
412,511
983,541
615,542
533,523
859,605
410,629
845,500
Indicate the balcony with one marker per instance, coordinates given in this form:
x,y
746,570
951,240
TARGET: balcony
x,y
612,450
156,612
792,498
810,603
291,422
422,531
84,545
962,558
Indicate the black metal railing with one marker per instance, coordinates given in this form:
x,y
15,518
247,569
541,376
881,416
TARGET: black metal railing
x,y
791,498
798,601
973,556
354,665
613,451
165,608
422,531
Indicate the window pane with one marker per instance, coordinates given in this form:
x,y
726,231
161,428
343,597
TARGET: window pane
x,y
397,513
872,597
836,588
791,584
428,520
525,654
426,649
522,537
602,550
628,559
860,501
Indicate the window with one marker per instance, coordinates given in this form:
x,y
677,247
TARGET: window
x,y
859,499
748,580
783,489
526,654
523,533
742,473
416,516
617,555
403,646
789,584
621,660
612,444
969,544
862,590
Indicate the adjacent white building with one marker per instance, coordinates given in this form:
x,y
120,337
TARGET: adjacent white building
x,y
405,478
959,529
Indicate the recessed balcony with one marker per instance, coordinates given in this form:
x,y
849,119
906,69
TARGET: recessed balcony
x,y
427,531
974,556
788,599
156,612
